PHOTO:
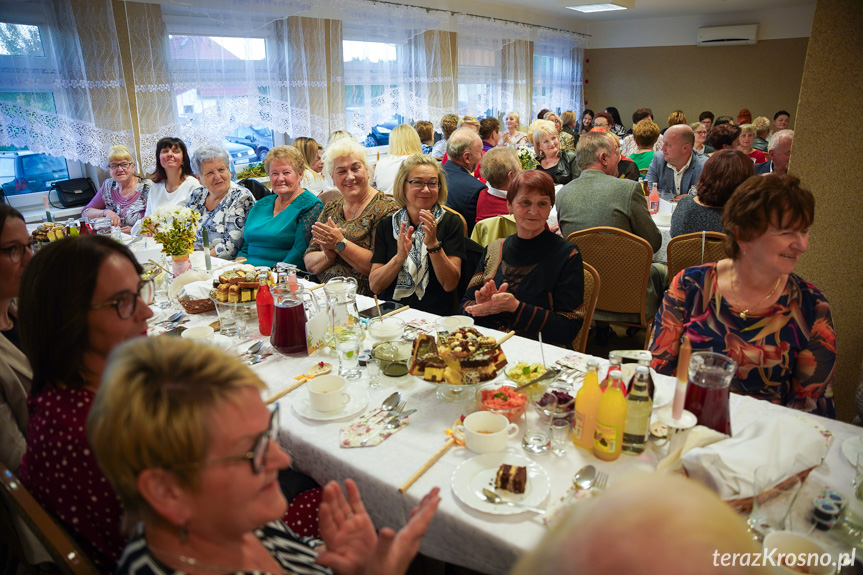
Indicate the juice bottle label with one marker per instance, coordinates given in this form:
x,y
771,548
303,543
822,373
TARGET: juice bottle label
x,y
606,437
578,427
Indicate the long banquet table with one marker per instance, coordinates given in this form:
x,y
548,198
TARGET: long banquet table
x,y
459,534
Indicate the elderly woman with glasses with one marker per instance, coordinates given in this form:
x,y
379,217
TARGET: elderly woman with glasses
x,y
123,196
67,334
419,249
701,146
184,437
15,372
223,204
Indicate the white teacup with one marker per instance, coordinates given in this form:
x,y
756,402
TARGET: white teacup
x,y
328,393
485,432
200,333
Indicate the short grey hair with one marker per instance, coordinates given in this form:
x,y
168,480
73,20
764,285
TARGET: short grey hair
x,y
777,136
342,148
460,142
207,153
497,163
590,146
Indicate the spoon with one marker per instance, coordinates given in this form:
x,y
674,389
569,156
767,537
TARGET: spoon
x,y
493,497
584,477
174,317
547,375
391,424
390,402
254,348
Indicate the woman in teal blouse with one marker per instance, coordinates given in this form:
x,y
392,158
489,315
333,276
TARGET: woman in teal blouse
x,y
279,226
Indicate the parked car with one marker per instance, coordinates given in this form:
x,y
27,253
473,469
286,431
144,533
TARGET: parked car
x,y
241,154
25,172
380,134
259,138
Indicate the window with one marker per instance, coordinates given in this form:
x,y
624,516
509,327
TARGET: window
x,y
479,78
20,40
369,70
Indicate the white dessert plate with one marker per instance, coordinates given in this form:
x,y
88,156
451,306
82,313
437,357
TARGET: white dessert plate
x,y
453,322
851,448
478,473
359,399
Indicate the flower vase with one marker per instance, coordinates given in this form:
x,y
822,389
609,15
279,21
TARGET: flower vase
x,y
180,264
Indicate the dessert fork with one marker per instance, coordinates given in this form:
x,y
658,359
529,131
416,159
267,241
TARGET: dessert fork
x,y
601,481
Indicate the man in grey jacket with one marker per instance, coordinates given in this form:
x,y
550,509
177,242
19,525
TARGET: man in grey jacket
x,y
599,198
677,168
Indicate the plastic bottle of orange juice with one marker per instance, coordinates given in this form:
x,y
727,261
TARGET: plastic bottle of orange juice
x,y
586,406
610,420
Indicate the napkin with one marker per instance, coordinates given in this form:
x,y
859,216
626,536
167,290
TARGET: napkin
x,y
787,443
369,427
698,436
193,286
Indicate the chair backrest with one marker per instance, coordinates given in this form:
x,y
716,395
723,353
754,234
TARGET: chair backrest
x,y
62,548
591,295
487,230
329,195
693,249
622,260
258,189
461,217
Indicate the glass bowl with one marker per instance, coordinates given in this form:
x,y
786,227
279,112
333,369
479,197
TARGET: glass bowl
x,y
386,328
486,401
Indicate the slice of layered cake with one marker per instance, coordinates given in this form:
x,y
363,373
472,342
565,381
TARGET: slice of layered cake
x,y
511,478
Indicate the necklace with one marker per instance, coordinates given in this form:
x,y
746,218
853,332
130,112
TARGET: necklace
x,y
744,314
192,562
359,209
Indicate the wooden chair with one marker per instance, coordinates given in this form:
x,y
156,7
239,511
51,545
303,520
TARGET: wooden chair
x,y
591,295
329,195
623,262
693,249
461,217
65,553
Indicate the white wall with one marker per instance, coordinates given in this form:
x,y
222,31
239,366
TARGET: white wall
x,y
792,22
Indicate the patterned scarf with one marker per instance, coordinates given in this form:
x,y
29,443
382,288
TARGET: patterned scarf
x,y
414,276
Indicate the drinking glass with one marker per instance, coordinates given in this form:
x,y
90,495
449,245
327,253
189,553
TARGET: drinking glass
x,y
852,522
348,347
537,423
374,370
560,429
771,502
232,318
161,283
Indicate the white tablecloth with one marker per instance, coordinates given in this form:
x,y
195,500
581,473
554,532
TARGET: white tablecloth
x,y
459,534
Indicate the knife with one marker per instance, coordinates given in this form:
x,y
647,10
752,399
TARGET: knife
x,y
206,239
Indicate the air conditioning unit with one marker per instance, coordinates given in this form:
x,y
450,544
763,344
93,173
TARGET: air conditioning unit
x,y
728,35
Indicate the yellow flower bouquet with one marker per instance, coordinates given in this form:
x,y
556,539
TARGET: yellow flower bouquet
x,y
175,227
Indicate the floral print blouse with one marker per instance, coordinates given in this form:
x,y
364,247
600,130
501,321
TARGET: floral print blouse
x,y
786,355
129,209
224,224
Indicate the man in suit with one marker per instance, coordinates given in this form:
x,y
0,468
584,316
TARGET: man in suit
x,y
779,152
599,198
464,151
677,168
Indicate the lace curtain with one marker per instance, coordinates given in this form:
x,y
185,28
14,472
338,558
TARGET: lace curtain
x,y
557,72
205,67
398,62
67,94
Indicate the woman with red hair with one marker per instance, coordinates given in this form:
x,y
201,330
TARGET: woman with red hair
x,y
533,280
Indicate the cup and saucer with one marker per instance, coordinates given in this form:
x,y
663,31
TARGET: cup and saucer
x,y
328,398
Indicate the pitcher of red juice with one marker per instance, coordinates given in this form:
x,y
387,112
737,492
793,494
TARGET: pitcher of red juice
x,y
292,307
709,387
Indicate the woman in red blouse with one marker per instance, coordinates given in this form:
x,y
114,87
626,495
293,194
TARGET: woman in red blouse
x,y
80,297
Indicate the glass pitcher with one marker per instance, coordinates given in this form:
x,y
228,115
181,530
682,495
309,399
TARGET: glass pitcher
x,y
709,387
342,309
293,306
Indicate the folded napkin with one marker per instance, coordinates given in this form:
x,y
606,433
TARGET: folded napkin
x,y
789,444
558,509
196,287
698,436
369,428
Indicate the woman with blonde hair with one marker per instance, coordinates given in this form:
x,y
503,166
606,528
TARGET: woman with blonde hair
x,y
511,136
123,196
184,437
567,142
559,164
469,122
313,179
343,238
404,142
568,119
419,249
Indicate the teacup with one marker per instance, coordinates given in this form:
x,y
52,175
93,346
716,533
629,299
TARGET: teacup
x,y
790,552
200,333
485,432
328,393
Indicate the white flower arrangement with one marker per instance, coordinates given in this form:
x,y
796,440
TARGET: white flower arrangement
x,y
526,157
175,227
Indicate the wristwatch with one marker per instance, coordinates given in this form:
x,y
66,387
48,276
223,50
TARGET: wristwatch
x,y
340,246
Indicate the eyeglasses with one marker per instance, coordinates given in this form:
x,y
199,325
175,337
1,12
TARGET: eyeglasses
x,y
124,165
417,185
257,456
127,302
603,125
701,132
16,252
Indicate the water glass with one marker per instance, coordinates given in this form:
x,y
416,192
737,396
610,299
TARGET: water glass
x,y
348,342
852,522
232,319
537,423
560,430
102,226
771,502
374,369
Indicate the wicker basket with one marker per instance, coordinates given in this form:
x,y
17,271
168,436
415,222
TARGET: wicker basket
x,y
197,305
